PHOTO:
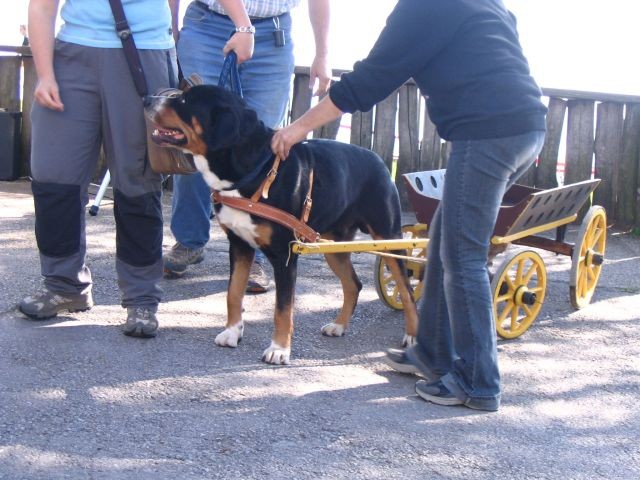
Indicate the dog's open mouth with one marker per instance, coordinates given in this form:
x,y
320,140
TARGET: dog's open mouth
x,y
168,136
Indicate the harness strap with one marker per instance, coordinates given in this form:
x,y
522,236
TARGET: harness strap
x,y
263,190
308,202
300,229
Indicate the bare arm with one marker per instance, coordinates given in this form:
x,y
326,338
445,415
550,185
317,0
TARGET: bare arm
x,y
319,15
42,17
324,112
174,6
241,43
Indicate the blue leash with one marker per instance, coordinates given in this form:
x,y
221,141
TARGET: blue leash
x,y
230,79
229,76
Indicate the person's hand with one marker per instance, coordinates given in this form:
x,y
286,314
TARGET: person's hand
x,y
242,44
285,138
320,75
47,94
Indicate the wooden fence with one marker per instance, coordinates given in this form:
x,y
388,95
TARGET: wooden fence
x,y
587,133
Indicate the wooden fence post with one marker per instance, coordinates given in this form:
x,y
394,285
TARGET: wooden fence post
x,y
546,172
362,129
10,82
608,154
385,129
408,120
580,140
628,211
301,96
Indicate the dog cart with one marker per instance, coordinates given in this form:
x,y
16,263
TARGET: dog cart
x,y
519,283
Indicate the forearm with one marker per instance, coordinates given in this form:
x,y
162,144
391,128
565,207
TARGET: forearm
x,y
319,15
174,6
324,112
42,15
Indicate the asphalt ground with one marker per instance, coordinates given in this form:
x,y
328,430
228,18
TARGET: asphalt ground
x,y
79,400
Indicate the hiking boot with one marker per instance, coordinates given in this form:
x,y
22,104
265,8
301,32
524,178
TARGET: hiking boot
x,y
141,322
258,278
436,392
179,258
47,304
397,359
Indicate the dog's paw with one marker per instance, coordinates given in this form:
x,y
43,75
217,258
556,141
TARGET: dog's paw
x,y
230,336
276,355
333,330
408,340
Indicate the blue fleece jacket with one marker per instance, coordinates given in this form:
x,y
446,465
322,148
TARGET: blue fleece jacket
x,y
465,57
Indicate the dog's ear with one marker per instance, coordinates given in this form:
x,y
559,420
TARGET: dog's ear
x,y
225,129
230,126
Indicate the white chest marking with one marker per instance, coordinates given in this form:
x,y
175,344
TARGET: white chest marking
x,y
235,220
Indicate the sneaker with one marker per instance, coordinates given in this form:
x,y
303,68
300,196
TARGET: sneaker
x,y
141,322
48,304
179,258
258,278
397,359
436,392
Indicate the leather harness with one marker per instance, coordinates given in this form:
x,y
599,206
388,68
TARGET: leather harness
x,y
252,205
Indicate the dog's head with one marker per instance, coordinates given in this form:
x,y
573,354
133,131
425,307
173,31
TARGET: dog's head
x,y
204,119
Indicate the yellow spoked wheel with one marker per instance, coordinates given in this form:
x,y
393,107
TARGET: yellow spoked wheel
x,y
386,285
518,288
588,257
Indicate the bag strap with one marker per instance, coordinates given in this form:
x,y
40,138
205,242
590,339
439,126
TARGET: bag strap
x,y
229,75
129,46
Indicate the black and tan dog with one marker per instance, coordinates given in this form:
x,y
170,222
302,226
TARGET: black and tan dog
x,y
351,190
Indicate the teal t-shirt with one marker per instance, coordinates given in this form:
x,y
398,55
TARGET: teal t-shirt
x,y
91,23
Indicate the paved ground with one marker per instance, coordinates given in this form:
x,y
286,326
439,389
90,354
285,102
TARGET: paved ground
x,y
81,401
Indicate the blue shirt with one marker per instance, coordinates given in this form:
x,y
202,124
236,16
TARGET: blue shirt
x,y
90,23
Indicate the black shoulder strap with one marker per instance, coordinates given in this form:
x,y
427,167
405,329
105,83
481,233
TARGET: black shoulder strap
x,y
129,46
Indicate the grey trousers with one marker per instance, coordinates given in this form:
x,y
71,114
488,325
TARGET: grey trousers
x,y
101,108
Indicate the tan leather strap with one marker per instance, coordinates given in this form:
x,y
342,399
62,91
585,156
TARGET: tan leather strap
x,y
308,202
300,229
263,190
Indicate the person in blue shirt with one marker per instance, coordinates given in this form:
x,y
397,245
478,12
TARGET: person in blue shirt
x,y
259,32
86,99
466,58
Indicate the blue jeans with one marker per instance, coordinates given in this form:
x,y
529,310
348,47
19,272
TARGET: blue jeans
x,y
266,81
456,334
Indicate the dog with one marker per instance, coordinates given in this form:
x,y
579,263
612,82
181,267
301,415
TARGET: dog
x,y
350,187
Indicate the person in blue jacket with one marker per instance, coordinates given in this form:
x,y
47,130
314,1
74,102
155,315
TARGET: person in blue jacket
x,y
466,58
85,98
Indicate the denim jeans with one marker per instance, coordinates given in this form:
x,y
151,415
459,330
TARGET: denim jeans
x,y
456,334
266,81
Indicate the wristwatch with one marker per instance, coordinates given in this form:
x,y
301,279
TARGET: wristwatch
x,y
250,29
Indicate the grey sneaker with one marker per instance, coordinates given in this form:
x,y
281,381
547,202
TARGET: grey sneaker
x,y
258,278
47,304
436,392
179,258
141,322
397,359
